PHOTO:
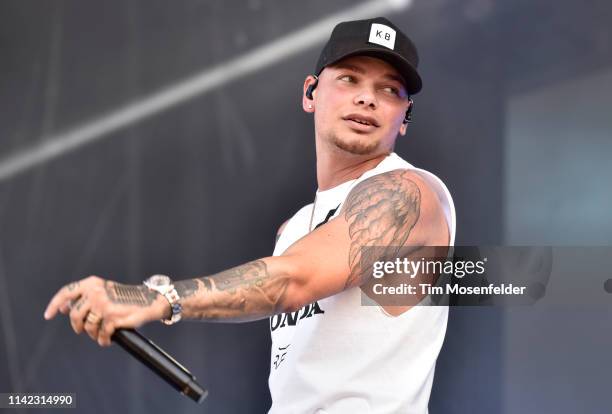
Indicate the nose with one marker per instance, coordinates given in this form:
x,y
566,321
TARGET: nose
x,y
366,98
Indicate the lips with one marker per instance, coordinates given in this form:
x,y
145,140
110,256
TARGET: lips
x,y
361,120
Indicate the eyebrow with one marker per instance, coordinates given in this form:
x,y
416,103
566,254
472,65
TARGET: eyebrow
x,y
362,71
350,67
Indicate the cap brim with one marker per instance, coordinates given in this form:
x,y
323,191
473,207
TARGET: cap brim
x,y
403,66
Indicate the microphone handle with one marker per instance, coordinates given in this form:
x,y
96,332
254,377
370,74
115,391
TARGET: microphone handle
x,y
160,362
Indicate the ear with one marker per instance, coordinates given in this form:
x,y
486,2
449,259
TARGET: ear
x,y
308,104
403,129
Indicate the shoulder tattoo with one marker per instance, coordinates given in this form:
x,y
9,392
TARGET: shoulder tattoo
x,y
381,211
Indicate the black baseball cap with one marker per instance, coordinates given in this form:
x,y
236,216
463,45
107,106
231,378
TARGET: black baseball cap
x,y
378,38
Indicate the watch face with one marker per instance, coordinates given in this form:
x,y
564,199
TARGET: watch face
x,y
159,280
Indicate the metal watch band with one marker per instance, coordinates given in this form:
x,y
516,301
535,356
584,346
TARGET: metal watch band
x,y
166,289
173,298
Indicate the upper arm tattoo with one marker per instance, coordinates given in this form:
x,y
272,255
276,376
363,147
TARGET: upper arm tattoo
x,y
381,211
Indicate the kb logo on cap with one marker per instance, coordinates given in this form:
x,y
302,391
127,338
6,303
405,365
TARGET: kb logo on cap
x,y
382,35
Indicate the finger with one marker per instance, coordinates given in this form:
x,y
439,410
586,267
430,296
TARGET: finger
x,y
78,313
92,327
106,331
66,307
133,320
62,298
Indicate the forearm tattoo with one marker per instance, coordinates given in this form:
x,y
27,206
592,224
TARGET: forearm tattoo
x,y
247,276
245,292
186,288
381,211
129,294
207,284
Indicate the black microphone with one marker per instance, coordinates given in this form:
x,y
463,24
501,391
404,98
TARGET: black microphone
x,y
160,362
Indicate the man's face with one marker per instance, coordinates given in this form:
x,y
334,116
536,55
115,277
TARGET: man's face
x,y
359,105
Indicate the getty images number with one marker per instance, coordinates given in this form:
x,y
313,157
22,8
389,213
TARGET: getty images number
x,y
32,399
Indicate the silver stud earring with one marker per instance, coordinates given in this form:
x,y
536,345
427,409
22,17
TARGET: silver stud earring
x,y
309,106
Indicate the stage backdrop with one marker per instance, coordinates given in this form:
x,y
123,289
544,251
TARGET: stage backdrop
x,y
133,142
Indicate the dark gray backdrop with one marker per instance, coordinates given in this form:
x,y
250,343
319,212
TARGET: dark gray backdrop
x,y
203,185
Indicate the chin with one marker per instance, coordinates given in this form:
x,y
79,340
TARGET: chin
x,y
356,146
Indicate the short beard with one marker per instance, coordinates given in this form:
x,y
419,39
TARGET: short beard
x,y
357,147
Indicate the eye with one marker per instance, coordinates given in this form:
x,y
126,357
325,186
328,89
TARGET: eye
x,y
346,78
391,90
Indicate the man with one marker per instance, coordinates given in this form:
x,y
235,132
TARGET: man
x,y
330,353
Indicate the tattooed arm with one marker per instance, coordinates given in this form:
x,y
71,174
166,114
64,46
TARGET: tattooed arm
x,y
251,291
99,306
391,209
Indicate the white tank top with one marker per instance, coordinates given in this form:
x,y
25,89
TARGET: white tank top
x,y
336,356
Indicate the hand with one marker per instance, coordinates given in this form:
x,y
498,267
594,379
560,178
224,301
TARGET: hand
x,y
100,306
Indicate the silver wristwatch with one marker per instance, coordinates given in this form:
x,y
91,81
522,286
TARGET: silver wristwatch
x,y
163,285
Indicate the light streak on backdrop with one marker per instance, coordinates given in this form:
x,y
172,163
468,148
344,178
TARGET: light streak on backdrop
x,y
268,54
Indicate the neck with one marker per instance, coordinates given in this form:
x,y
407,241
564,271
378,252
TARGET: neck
x,y
337,167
